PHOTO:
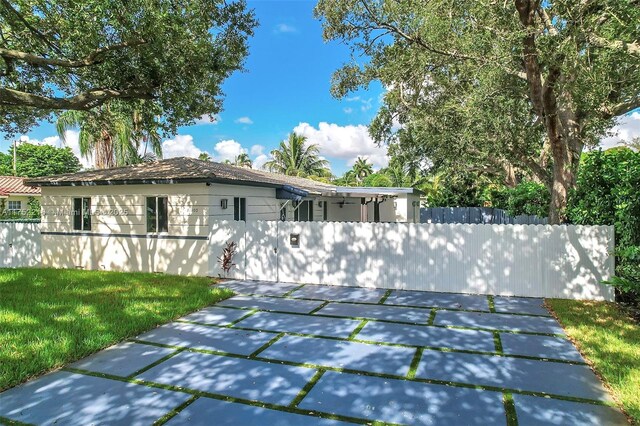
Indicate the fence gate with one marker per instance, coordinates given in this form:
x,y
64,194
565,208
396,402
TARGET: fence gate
x,y
261,250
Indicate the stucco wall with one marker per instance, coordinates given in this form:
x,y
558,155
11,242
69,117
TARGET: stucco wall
x,y
24,200
118,238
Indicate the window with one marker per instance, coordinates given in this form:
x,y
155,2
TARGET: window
x,y
239,208
325,214
303,211
14,205
157,214
376,211
283,212
82,214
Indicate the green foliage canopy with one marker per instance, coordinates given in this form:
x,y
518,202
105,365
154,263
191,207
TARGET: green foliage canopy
x,y
492,85
608,194
39,160
294,157
165,58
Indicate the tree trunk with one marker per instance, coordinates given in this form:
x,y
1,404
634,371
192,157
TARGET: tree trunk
x,y
565,167
554,104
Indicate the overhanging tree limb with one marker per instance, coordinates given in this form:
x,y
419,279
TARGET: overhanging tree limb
x,y
93,58
82,102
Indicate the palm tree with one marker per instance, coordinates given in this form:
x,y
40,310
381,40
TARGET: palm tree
x,y
348,179
361,169
243,160
295,158
204,156
114,139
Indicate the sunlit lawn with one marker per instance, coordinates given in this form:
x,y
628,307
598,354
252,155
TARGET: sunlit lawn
x,y
51,317
611,341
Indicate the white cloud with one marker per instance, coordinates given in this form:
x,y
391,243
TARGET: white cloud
x,y
344,142
244,120
180,146
227,150
205,119
627,129
285,28
257,150
258,162
365,104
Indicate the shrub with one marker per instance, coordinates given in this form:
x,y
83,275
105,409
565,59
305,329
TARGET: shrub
x,y
608,193
527,197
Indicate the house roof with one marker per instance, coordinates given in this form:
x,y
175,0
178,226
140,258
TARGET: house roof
x,y
185,170
13,185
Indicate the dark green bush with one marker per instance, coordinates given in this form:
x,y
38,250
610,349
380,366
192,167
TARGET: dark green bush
x,y
608,193
526,198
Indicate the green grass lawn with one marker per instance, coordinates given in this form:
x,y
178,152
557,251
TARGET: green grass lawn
x,y
51,317
611,342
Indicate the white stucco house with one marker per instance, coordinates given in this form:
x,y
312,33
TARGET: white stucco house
x,y
158,216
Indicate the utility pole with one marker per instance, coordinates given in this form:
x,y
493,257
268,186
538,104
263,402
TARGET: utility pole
x,y
15,157
23,138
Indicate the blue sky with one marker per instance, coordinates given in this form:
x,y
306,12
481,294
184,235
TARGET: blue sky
x,y
285,87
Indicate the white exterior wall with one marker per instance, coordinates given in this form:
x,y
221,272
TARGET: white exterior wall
x,y
118,239
261,202
347,212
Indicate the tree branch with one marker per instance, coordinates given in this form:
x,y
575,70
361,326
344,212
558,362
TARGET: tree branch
x,y
629,48
82,102
8,6
93,58
412,39
621,108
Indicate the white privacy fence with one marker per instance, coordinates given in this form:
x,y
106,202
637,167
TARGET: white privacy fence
x,y
20,244
520,260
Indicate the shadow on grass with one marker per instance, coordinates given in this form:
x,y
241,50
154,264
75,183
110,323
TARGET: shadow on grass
x,y
51,317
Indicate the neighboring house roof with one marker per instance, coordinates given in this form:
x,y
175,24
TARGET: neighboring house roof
x,y
185,170
13,185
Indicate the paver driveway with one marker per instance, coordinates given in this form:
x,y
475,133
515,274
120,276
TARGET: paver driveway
x,y
285,354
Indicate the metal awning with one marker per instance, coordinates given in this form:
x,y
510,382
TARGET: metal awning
x,y
291,193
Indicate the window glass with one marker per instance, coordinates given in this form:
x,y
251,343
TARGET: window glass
x,y
82,214
304,211
77,214
239,208
163,214
86,214
325,210
14,205
152,214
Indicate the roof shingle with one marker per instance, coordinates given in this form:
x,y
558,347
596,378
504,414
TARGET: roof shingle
x,y
184,169
181,169
15,185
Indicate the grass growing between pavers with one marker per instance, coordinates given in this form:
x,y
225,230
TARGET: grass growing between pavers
x,y
610,340
52,317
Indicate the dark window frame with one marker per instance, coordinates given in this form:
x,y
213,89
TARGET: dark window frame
x,y
82,213
308,209
157,214
240,209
